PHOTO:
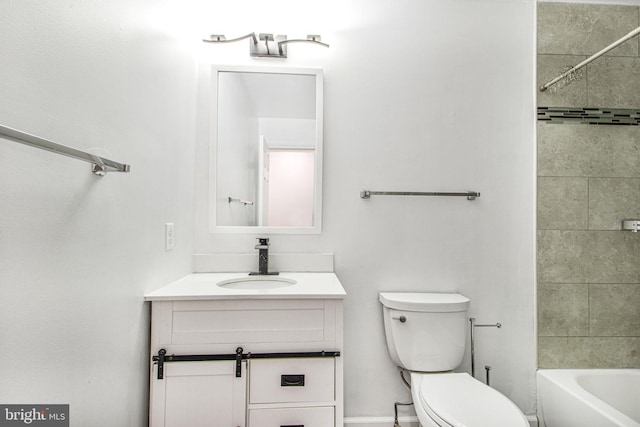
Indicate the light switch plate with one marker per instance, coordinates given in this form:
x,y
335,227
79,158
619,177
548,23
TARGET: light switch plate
x,y
168,236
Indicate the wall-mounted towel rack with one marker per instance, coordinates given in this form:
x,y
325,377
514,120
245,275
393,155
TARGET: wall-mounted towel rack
x,y
236,200
100,165
366,194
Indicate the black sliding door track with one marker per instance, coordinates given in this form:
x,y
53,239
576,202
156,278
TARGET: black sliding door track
x,y
239,356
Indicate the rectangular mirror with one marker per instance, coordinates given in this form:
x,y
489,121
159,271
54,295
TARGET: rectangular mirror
x,y
266,150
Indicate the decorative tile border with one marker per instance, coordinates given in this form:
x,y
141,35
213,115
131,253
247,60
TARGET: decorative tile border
x,y
591,116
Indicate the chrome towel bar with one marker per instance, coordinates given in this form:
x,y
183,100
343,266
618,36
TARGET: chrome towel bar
x,y
366,194
244,202
100,165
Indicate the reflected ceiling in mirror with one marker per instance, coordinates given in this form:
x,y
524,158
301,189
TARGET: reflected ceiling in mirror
x,y
266,150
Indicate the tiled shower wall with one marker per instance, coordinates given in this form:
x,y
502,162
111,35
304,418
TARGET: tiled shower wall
x,y
588,181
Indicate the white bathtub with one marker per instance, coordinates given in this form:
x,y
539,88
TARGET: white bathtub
x,y
589,397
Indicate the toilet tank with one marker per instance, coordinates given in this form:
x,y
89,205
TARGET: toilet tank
x,y
425,332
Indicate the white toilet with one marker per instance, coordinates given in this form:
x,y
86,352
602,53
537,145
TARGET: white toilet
x,y
426,334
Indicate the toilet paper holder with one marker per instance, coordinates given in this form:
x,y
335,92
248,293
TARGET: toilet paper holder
x,y
474,325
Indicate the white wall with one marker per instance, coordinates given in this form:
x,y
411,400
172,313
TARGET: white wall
x,y
420,95
78,252
288,132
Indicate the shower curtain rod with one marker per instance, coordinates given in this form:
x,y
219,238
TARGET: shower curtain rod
x,y
100,165
591,58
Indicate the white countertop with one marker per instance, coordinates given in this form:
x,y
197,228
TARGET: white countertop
x,y
203,286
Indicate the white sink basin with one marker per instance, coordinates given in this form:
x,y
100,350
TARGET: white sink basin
x,y
257,282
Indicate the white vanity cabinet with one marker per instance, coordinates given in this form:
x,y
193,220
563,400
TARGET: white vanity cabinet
x,y
292,392
284,378
198,394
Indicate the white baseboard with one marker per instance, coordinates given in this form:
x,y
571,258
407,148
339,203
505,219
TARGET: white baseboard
x,y
404,421
380,421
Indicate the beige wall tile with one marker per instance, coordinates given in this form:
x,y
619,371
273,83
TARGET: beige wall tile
x,y
584,29
561,256
585,352
588,257
611,200
587,150
614,310
614,82
589,280
562,203
563,309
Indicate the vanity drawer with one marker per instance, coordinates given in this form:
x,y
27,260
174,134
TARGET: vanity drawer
x,y
292,417
257,321
292,380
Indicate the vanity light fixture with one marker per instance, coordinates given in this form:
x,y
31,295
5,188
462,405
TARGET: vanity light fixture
x,y
220,38
267,45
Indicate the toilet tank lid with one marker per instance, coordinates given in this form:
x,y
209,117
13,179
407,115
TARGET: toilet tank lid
x,y
427,302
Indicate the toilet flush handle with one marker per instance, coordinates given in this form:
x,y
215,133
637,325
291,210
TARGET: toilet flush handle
x,y
402,319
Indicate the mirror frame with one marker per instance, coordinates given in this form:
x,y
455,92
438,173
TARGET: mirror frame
x,y
316,228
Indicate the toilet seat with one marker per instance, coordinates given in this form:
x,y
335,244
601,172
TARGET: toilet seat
x,y
459,400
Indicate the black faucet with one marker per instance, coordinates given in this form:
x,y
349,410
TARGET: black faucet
x,y
263,259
